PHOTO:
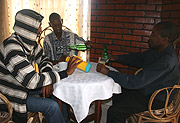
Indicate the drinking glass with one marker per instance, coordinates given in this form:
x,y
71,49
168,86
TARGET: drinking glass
x,y
101,60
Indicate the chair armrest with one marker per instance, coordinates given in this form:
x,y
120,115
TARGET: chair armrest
x,y
170,109
10,109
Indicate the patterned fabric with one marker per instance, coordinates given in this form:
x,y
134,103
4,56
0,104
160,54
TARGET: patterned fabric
x,y
18,55
55,48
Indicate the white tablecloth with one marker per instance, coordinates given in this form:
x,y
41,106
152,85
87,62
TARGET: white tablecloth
x,y
80,89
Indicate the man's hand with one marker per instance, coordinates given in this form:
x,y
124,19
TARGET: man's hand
x,y
72,64
47,90
88,44
102,68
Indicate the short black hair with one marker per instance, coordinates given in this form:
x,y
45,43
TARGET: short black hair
x,y
168,29
54,16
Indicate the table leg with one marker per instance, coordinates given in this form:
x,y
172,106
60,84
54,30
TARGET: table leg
x,y
60,104
98,111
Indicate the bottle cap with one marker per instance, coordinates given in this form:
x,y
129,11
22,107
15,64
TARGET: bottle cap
x,y
88,67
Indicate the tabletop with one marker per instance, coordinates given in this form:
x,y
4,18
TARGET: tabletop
x,y
80,89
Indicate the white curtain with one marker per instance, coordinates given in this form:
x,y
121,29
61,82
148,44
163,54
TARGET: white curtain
x,y
4,25
75,14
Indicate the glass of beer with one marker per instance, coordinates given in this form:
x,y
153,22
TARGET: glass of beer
x,y
101,60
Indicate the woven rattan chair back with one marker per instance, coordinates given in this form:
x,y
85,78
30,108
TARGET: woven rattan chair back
x,y
170,112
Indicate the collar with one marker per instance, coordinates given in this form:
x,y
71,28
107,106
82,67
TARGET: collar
x,y
54,35
166,51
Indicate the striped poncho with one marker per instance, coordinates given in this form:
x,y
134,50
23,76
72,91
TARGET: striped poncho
x,y
18,54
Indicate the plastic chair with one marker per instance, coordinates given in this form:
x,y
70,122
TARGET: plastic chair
x,y
170,112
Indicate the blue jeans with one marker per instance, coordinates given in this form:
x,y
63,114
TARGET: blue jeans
x,y
47,106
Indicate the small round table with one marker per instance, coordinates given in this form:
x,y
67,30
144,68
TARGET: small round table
x,y
80,89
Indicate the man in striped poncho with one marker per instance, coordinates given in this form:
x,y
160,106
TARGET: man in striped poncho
x,y
18,78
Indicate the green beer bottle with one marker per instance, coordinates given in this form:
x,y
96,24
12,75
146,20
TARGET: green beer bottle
x,y
78,47
105,55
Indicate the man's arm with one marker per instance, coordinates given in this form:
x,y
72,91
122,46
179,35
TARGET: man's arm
x,y
132,59
21,68
130,81
72,64
152,74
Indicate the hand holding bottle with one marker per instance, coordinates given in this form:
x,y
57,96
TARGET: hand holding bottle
x,y
72,64
88,44
85,66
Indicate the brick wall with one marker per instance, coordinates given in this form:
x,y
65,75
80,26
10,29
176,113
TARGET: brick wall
x,y
123,26
171,11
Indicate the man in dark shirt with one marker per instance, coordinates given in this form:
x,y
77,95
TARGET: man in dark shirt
x,y
160,69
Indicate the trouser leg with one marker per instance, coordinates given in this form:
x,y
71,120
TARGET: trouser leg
x,y
126,104
48,107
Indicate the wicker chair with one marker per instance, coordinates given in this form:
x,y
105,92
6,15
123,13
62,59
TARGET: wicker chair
x,y
6,117
34,117
47,30
170,112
